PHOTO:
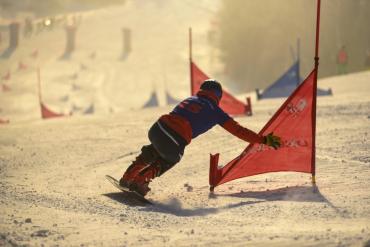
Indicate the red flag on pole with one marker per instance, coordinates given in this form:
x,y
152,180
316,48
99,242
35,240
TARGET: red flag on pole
x,y
34,54
7,76
22,66
293,123
5,88
4,121
228,103
45,112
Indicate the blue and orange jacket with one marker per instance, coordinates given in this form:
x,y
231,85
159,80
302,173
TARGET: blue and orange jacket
x,y
197,114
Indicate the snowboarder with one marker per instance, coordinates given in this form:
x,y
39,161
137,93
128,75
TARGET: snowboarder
x,y
174,131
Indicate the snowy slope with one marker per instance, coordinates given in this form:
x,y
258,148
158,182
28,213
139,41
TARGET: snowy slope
x,y
159,59
53,173
52,185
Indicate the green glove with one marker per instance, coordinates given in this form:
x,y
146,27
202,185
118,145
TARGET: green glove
x,y
272,140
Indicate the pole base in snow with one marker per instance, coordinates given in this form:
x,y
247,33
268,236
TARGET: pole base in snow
x,y
313,180
248,107
213,171
212,195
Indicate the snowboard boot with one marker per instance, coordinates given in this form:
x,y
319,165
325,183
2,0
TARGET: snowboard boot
x,y
140,183
131,173
147,156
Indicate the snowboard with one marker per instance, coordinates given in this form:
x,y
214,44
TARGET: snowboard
x,y
126,190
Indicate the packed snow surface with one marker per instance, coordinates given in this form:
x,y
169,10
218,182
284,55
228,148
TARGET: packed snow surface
x,y
53,189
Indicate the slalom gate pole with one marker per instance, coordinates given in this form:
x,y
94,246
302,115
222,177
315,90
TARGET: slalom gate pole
x,y
39,83
299,61
213,171
313,158
191,62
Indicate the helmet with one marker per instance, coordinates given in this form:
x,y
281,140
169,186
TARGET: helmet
x,y
212,85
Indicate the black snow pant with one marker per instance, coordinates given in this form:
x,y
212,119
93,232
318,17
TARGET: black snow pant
x,y
166,148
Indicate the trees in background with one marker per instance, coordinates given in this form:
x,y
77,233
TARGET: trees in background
x,y
256,36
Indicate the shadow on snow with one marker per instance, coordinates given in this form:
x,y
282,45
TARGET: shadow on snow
x,y
174,206
294,194
127,199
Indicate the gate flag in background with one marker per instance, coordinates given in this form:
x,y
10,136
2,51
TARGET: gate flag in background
x,y
293,123
153,100
171,100
228,103
7,76
286,84
5,88
45,112
4,121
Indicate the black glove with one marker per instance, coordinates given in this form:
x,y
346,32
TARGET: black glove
x,y
272,140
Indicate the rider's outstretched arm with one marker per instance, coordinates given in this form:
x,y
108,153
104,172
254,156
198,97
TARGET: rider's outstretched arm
x,y
241,132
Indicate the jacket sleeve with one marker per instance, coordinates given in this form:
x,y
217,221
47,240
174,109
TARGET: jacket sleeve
x,y
243,133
